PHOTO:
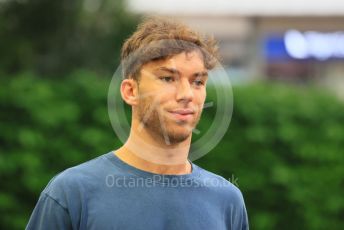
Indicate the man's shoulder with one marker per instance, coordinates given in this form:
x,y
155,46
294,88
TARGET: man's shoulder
x,y
79,177
223,186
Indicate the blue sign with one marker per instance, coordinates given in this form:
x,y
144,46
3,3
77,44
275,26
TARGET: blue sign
x,y
304,45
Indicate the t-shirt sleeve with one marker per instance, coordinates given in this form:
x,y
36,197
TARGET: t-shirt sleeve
x,y
49,214
237,218
245,224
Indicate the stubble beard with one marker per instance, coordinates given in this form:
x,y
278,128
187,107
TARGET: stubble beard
x,y
162,127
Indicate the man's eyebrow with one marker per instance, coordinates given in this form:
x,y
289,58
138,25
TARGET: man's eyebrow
x,y
201,74
170,70
175,71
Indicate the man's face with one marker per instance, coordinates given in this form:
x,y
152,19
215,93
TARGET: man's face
x,y
171,96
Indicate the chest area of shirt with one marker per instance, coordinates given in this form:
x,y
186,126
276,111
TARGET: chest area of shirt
x,y
154,210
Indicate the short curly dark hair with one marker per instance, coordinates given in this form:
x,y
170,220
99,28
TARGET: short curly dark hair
x,y
160,38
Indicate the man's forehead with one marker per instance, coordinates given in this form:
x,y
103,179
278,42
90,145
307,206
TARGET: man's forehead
x,y
190,55
174,61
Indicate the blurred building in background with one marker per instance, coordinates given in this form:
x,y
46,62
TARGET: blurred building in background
x,y
299,42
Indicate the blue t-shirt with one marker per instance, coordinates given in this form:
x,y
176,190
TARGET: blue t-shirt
x,y
107,193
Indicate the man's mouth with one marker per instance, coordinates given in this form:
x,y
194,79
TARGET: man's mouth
x,y
182,114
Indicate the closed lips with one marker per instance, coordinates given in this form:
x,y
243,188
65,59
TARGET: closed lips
x,y
183,111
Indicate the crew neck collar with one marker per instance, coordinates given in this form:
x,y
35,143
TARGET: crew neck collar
x,y
160,178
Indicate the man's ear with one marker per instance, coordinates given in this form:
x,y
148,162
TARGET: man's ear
x,y
129,91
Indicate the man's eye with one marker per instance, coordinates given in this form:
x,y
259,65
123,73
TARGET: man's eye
x,y
198,82
167,78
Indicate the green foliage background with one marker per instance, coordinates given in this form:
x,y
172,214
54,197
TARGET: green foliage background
x,y
53,38
284,147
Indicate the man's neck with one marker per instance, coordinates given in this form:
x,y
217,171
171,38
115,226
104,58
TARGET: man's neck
x,y
149,154
167,169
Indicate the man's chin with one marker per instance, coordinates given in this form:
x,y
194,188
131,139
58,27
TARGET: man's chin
x,y
176,137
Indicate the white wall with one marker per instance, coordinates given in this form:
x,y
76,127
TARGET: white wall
x,y
239,7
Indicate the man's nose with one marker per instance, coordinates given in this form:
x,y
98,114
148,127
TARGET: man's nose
x,y
184,91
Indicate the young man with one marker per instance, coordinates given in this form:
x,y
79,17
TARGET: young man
x,y
149,183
